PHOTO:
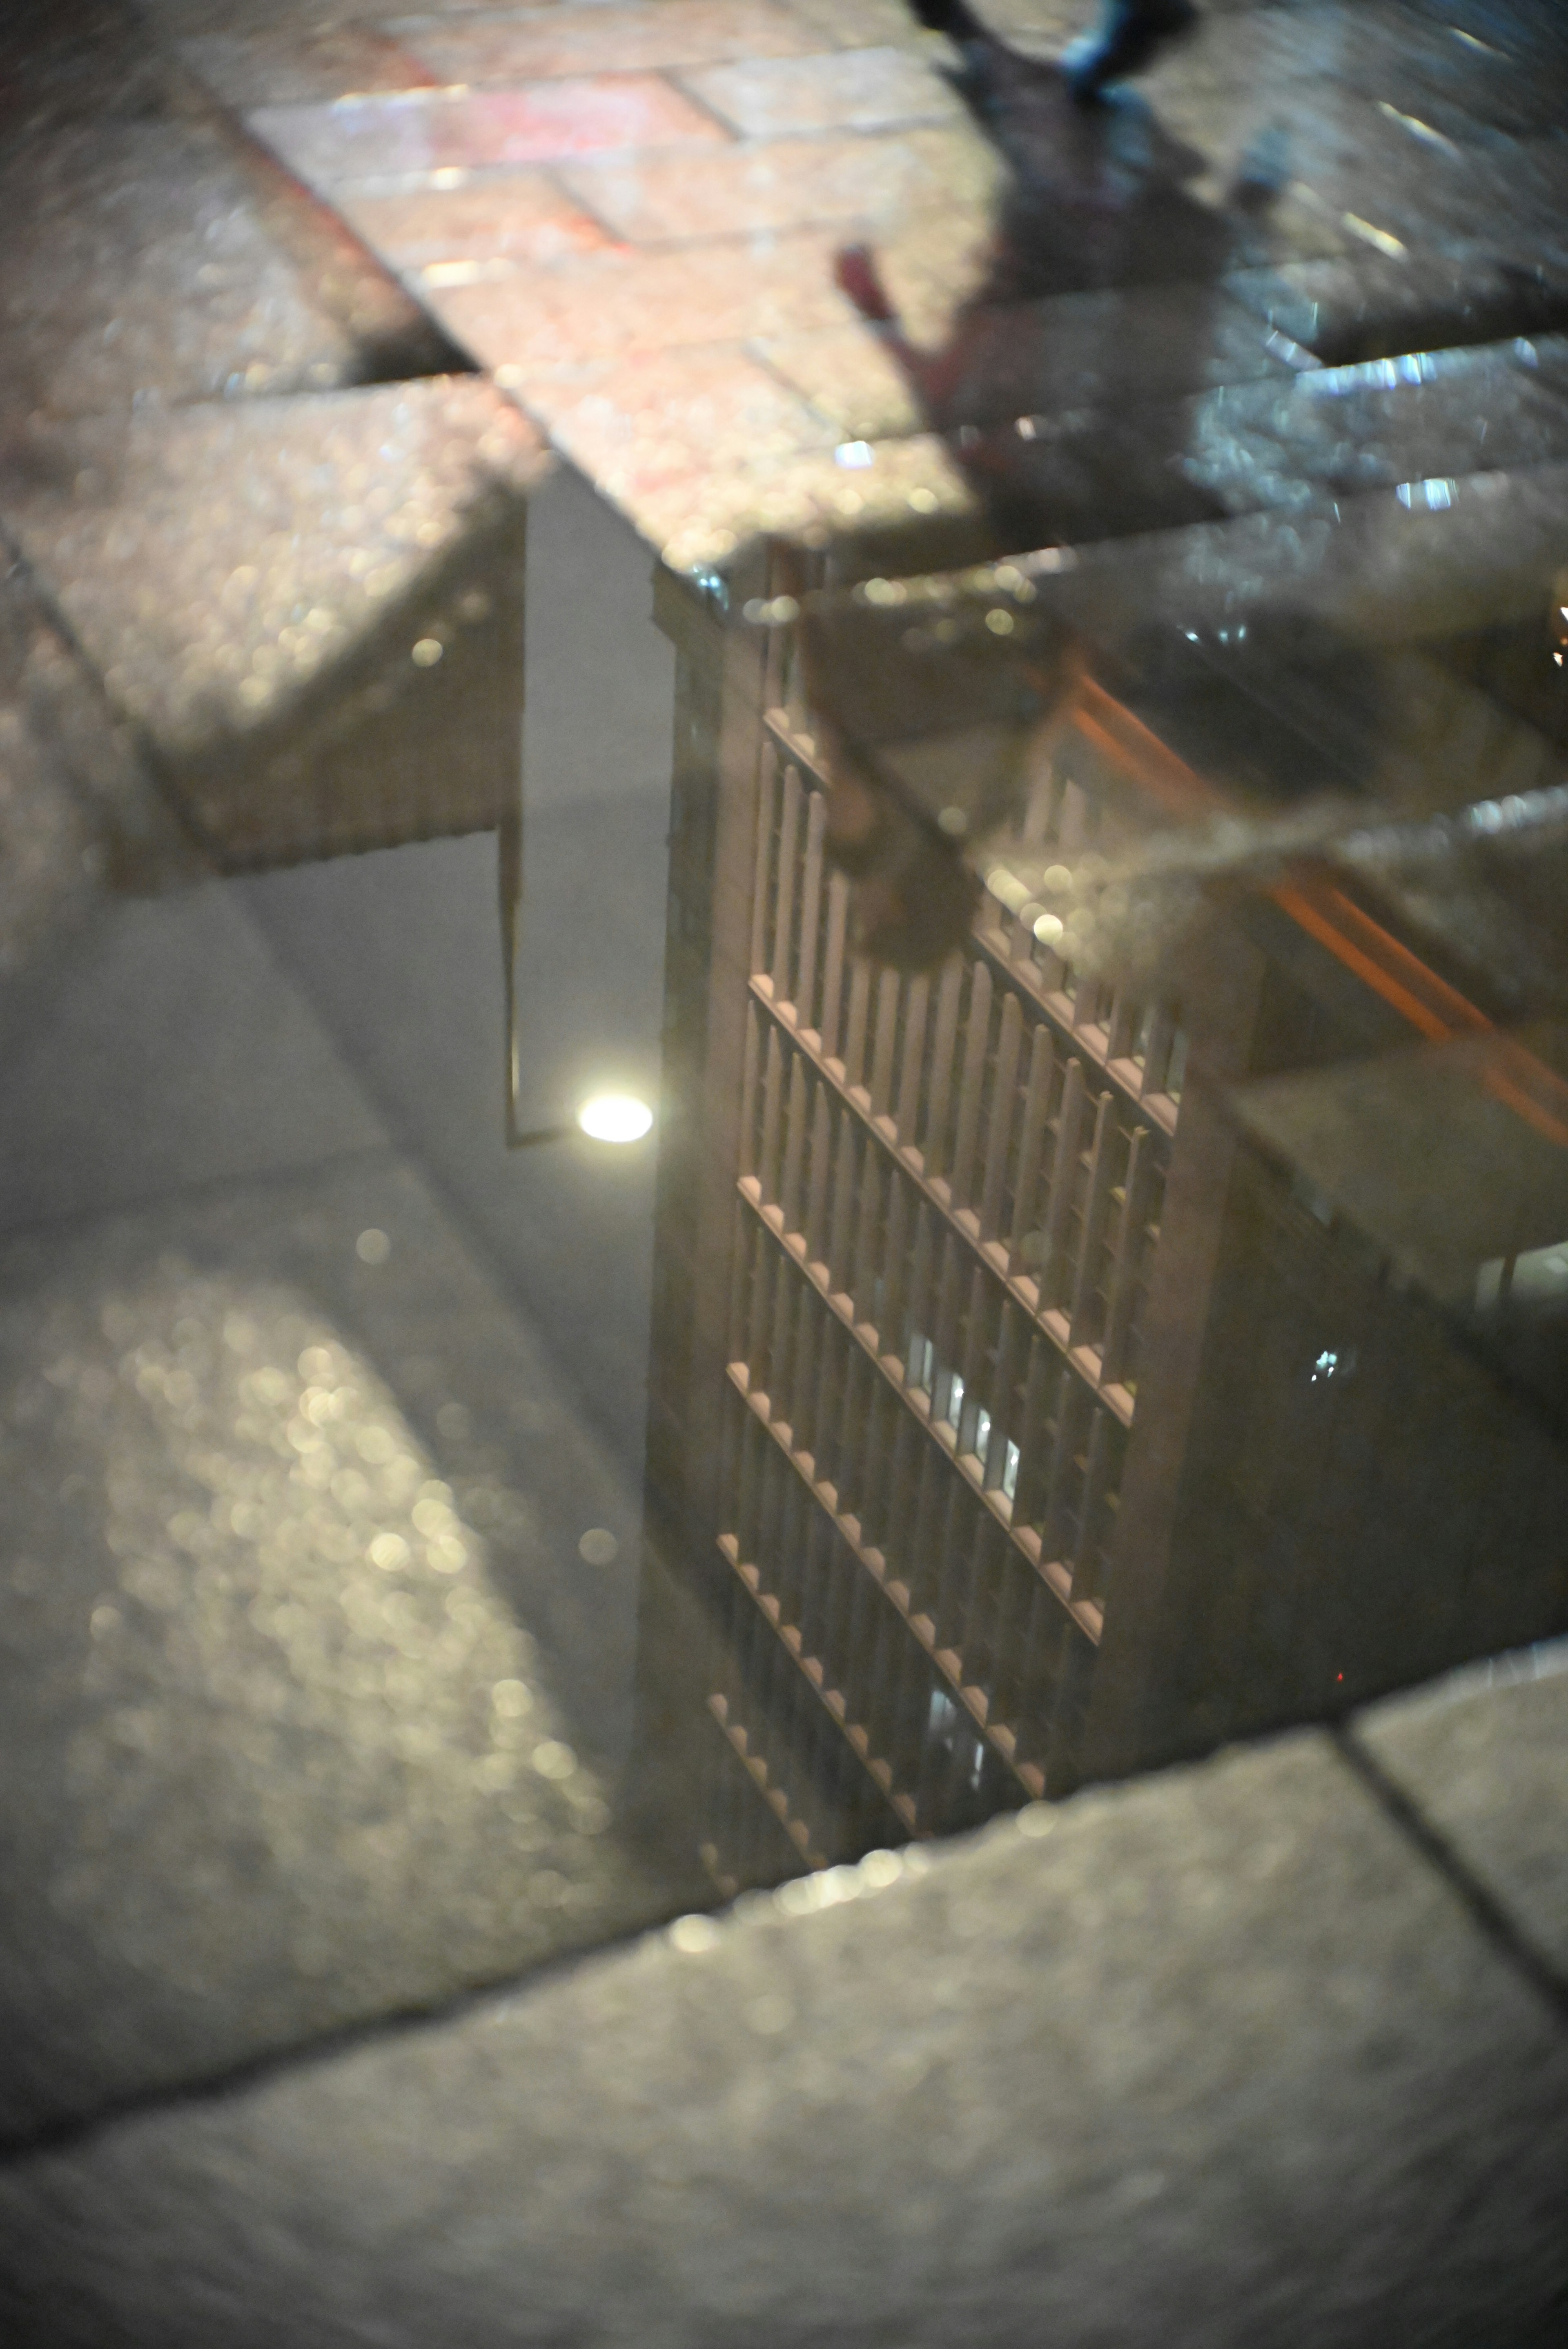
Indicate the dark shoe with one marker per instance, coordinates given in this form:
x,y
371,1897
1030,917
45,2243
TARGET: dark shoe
x,y
1130,32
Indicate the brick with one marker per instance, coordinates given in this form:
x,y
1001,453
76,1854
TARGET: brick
x,y
858,90
608,40
609,305
522,216
409,135
846,373
637,428
785,184
1138,344
285,67
702,518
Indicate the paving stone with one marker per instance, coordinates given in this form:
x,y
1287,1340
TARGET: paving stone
x,y
1461,555
637,428
1005,360
849,375
701,518
551,320
405,137
160,256
1378,171
1482,1758
1042,27
339,537
605,38
136,269
1529,34
854,89
522,217
1375,306
281,1753
297,20
1086,2090
1344,431
784,184
298,65
863,25
1431,72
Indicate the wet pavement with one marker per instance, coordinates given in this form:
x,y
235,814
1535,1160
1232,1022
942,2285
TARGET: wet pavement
x,y
998,662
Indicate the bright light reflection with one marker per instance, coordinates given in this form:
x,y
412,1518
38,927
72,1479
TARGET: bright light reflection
x,y
615,1117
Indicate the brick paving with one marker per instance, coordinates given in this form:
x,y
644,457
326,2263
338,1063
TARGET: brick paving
x,y
629,215
1350,397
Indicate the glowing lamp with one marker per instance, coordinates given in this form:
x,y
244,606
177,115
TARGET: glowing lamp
x,y
615,1117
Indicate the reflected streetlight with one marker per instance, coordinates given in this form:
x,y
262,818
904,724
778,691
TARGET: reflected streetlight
x,y
615,1117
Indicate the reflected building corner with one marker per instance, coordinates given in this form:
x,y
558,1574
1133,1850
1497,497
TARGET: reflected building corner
x,y
1031,1399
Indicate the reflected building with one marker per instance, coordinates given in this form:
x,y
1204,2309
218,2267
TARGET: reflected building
x,y
1051,1375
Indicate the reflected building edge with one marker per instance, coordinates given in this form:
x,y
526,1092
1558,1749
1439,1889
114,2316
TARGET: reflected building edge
x,y
1066,1358
1140,1327
1103,1341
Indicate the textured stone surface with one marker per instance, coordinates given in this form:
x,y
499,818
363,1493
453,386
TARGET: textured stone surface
x,y
542,324
665,417
1467,554
534,45
1344,431
522,217
1375,306
315,517
351,591
1484,1758
1081,2092
137,267
297,64
409,136
1077,352
855,89
781,184
301,1662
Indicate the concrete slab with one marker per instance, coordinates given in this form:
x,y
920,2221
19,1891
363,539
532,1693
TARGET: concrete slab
x,y
1083,2089
1482,1759
313,1709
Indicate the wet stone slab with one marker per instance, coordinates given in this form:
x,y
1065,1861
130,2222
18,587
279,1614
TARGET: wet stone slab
x,y
1481,1760
854,89
664,417
782,184
298,65
1341,431
545,322
356,577
406,137
522,217
292,1506
1027,359
136,269
936,2098
1373,305
535,44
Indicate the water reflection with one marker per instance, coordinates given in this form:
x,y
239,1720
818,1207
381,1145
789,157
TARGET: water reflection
x,y
1127,1175
1109,1269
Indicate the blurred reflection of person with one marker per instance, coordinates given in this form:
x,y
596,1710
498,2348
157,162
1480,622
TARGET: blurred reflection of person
x,y
1127,38
1130,35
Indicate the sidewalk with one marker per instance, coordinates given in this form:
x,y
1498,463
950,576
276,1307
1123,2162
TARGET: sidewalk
x,y
340,2008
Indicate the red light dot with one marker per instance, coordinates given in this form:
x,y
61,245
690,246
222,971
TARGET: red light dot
x,y
1339,1676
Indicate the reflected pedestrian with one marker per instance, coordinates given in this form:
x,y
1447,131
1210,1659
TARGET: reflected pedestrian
x,y
1130,35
